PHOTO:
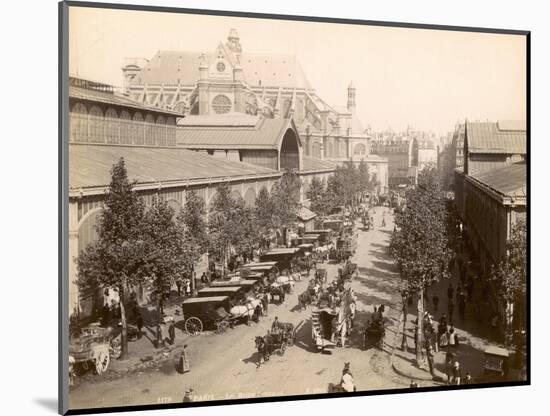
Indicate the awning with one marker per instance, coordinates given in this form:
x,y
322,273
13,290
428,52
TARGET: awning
x,y
305,214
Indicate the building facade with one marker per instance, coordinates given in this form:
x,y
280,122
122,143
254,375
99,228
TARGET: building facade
x,y
230,80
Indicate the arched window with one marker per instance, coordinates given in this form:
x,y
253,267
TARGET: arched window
x,y
97,134
316,150
160,131
149,130
359,149
111,124
125,127
79,123
171,127
221,104
138,129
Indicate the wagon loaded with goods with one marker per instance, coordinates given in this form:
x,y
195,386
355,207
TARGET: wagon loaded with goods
x,y
92,348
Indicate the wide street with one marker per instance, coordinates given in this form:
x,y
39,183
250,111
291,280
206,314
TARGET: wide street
x,y
224,366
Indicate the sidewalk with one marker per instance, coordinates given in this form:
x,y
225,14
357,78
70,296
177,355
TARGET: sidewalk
x,y
474,337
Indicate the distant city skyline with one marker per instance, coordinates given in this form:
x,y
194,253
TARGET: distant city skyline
x,y
425,79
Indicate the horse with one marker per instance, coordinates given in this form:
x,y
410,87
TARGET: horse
x,y
305,299
246,311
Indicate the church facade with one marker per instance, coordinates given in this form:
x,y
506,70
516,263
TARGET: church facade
x,y
229,81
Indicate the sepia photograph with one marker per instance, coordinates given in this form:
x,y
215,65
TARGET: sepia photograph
x,y
275,207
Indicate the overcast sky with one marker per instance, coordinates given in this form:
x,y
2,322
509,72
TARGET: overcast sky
x,y
424,78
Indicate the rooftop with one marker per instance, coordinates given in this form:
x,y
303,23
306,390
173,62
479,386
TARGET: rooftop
x,y
313,164
182,67
111,98
508,181
505,137
234,131
90,165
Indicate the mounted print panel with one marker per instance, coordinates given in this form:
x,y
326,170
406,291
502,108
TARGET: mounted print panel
x,y
262,208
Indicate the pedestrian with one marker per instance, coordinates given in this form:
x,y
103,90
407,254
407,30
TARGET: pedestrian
x,y
467,378
453,339
139,324
183,363
435,301
187,397
430,357
450,291
188,287
450,309
172,332
456,373
462,307
178,285
413,384
449,360
160,335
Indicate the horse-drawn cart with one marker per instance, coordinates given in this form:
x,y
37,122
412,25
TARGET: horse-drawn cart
x,y
277,340
91,348
205,312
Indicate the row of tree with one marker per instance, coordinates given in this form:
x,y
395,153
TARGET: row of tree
x,y
428,236
155,245
421,243
341,188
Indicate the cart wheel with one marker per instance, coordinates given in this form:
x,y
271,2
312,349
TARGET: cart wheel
x,y
193,325
102,362
221,327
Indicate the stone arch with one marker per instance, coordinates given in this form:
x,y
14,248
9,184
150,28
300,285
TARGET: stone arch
x,y
86,228
289,151
250,197
235,194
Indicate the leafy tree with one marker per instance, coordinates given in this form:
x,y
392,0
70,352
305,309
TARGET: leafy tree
x,y
420,242
320,201
117,259
285,200
230,223
263,214
510,275
166,250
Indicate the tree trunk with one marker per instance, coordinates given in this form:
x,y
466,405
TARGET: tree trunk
x,y
420,313
404,346
159,307
124,334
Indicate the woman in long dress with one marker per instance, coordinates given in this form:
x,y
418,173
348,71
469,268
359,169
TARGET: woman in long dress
x,y
184,366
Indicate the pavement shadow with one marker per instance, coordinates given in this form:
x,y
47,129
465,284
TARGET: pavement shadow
x,y
253,359
303,337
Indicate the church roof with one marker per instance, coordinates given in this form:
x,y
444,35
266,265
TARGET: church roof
x,y
182,67
90,165
236,131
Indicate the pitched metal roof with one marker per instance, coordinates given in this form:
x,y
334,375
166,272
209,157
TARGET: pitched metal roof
x,y
90,165
212,132
313,164
115,100
182,67
509,180
487,137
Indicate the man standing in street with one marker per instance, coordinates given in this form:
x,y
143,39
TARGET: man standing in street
x,y
172,333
